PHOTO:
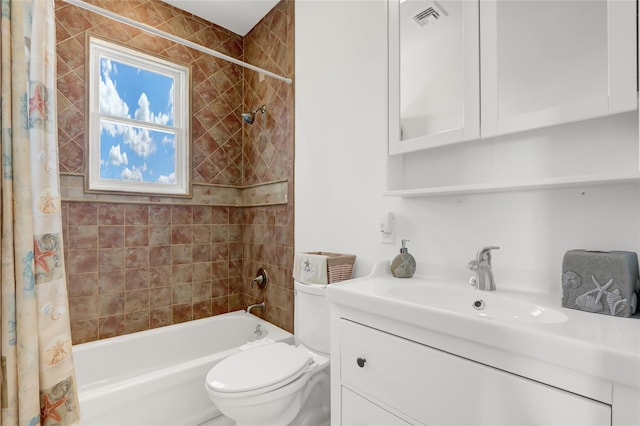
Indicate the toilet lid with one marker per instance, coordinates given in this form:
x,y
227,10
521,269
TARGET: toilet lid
x,y
259,367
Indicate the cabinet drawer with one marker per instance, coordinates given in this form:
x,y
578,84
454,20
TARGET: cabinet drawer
x,y
435,387
357,411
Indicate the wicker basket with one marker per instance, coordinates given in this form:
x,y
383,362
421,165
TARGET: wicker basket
x,y
339,266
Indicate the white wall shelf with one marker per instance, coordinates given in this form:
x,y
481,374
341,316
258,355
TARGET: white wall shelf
x,y
532,184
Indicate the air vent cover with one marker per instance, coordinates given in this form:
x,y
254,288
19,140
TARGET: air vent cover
x,y
431,14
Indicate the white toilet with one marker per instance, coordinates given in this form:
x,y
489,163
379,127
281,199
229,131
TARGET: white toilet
x,y
277,383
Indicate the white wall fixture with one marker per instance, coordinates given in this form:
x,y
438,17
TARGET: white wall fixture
x,y
386,227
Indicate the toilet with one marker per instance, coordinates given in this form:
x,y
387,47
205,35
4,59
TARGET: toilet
x,y
278,383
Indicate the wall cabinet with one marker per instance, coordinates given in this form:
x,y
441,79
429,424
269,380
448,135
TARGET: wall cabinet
x,y
386,379
553,62
461,70
434,90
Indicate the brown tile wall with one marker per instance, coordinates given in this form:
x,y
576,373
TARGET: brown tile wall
x,y
134,266
268,155
216,95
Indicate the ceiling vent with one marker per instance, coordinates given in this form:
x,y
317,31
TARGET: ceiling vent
x,y
431,14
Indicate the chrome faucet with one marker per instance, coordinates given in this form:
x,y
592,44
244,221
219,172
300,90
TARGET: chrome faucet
x,y
257,305
481,265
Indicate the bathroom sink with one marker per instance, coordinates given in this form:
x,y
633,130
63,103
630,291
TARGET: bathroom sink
x,y
484,304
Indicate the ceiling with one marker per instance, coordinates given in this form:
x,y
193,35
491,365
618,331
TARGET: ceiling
x,y
239,16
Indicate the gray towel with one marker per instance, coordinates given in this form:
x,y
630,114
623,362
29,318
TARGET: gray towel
x,y
600,282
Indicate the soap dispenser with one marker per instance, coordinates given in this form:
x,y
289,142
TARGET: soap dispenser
x,y
403,265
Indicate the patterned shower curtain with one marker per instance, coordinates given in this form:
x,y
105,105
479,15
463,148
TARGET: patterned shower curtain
x,y
38,379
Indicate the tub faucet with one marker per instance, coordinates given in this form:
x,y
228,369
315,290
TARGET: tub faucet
x,y
255,306
481,265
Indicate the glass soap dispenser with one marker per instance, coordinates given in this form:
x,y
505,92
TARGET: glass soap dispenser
x,y
403,265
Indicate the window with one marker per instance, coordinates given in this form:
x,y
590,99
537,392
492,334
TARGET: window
x,y
138,122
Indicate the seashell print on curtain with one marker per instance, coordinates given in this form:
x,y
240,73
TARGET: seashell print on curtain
x,y
38,377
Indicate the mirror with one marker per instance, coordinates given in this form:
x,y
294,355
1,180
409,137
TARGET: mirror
x,y
432,72
431,80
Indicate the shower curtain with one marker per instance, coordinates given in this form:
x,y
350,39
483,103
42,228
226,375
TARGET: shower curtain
x,y
38,379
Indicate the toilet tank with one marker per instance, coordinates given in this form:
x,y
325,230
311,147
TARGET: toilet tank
x,y
311,316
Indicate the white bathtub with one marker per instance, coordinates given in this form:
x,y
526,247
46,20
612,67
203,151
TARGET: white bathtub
x,y
156,377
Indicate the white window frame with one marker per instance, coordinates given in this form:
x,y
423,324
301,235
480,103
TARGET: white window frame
x,y
99,48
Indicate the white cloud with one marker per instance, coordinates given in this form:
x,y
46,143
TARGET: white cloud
x,y
133,174
140,141
110,100
115,157
137,138
112,103
144,113
167,179
110,128
169,141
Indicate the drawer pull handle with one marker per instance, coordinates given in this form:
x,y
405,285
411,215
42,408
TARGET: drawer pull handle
x,y
361,362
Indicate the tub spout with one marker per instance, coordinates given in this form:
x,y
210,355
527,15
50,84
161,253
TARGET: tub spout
x,y
257,305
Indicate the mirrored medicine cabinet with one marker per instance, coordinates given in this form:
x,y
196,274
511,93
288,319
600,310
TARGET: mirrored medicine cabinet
x,y
460,70
494,95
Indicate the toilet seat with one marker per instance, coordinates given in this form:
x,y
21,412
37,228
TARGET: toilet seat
x,y
259,370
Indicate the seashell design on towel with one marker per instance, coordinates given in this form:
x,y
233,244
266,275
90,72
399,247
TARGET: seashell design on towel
x,y
589,303
570,280
615,302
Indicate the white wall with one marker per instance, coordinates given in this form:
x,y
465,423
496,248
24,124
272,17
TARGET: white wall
x,y
341,134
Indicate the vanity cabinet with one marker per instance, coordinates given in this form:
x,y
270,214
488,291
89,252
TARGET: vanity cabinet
x,y
389,380
359,411
461,70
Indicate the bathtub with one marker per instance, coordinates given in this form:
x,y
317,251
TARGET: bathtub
x,y
156,377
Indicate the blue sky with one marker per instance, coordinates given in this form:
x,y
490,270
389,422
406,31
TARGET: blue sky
x,y
129,152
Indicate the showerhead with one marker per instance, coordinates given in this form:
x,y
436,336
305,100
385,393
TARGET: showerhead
x,y
249,117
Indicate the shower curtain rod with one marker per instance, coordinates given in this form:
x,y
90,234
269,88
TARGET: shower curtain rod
x,y
160,33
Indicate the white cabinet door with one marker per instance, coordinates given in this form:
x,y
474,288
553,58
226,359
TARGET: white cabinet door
x,y
548,62
435,387
434,87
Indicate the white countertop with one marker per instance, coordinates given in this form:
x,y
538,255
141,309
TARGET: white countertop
x,y
600,346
